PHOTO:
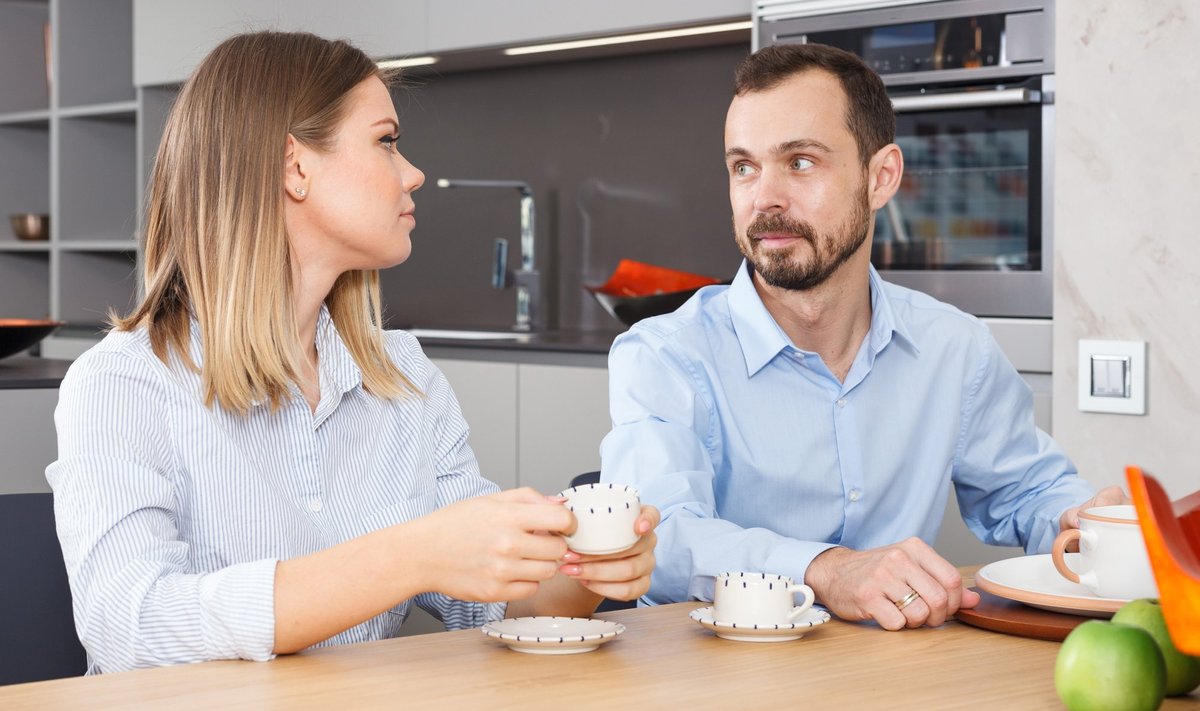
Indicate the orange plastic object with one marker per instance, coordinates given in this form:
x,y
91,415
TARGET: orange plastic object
x,y
640,279
1172,533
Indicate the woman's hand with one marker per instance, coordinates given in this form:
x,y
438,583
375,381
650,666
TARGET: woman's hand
x,y
620,576
493,548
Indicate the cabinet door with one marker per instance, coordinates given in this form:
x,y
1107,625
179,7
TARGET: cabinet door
x,y
27,438
170,37
460,24
487,393
563,416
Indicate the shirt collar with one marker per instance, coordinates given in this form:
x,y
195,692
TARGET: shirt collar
x,y
761,338
335,361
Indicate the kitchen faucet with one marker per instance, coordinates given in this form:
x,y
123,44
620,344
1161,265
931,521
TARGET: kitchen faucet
x,y
526,279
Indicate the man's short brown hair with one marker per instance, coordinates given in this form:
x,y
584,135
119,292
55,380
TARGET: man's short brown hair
x,y
869,115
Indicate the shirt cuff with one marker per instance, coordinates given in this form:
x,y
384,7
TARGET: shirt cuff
x,y
237,608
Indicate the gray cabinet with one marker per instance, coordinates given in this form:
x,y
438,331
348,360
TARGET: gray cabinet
x,y
68,126
562,414
27,438
172,36
532,424
464,24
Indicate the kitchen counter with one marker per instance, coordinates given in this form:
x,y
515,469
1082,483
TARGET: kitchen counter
x,y
24,372
561,341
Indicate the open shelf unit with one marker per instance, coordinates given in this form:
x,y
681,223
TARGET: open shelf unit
x,y
69,148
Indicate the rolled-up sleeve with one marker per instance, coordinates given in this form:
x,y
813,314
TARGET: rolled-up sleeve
x,y
136,603
664,431
458,478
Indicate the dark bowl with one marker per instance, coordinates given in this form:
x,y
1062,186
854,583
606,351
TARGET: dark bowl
x,y
18,334
631,309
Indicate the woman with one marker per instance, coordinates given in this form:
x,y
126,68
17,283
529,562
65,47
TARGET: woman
x,y
248,465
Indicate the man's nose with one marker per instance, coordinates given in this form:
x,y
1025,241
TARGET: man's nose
x,y
770,194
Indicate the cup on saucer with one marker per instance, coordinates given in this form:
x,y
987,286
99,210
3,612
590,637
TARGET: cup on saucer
x,y
759,599
1112,554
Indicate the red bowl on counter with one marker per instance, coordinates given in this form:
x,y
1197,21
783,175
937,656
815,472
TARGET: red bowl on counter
x,y
637,290
18,334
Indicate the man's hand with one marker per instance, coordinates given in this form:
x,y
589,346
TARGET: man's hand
x,y
862,585
1108,496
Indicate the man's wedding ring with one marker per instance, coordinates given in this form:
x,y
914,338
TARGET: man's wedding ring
x,y
907,599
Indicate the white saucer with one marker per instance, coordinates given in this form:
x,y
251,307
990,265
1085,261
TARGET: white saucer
x,y
760,633
1033,580
553,635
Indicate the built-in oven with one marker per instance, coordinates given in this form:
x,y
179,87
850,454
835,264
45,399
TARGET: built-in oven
x,y
972,82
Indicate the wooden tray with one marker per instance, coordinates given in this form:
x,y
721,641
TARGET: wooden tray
x,y
1000,614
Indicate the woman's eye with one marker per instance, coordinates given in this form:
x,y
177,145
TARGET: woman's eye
x,y
389,141
801,163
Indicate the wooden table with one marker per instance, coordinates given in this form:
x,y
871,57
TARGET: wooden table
x,y
664,660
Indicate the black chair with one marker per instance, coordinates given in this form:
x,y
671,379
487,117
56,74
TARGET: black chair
x,y
37,628
586,478
606,604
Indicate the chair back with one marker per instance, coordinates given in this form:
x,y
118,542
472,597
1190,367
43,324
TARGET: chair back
x,y
37,627
1172,534
585,478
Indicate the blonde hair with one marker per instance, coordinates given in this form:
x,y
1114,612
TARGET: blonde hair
x,y
216,247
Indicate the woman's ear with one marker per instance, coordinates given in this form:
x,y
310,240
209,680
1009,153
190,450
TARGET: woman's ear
x,y
295,175
884,172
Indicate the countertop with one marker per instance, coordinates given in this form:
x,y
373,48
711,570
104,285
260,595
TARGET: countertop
x,y
23,372
561,341
19,372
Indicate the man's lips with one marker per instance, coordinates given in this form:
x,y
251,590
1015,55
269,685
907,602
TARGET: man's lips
x,y
776,237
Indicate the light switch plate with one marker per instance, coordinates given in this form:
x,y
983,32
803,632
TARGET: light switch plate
x,y
1131,353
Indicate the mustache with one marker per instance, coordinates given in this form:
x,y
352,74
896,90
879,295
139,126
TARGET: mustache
x,y
775,222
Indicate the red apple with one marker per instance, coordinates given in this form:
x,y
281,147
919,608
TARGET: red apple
x,y
1183,671
1107,665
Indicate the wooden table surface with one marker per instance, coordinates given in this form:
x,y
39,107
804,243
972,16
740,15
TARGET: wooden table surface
x,y
663,660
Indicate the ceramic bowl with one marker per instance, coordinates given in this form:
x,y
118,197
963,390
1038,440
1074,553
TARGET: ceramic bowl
x,y
30,226
18,334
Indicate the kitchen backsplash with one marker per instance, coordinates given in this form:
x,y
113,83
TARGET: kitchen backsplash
x,y
625,159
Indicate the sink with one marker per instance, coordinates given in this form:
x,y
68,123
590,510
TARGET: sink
x,y
468,335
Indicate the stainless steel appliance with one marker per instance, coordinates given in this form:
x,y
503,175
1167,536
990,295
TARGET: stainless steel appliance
x,y
972,82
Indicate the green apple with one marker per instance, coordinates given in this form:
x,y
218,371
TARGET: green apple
x,y
1107,665
1183,670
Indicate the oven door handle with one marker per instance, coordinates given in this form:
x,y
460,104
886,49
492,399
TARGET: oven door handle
x,y
965,100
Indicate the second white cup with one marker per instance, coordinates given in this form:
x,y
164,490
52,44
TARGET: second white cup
x,y
759,599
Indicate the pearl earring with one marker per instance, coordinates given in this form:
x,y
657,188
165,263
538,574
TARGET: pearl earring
x,y
301,192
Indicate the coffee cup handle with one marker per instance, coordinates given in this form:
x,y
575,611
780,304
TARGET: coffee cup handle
x,y
1058,549
809,598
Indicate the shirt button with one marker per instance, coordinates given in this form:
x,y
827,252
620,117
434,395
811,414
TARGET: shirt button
x,y
855,494
841,402
315,505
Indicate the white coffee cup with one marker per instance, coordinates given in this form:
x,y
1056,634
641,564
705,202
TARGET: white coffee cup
x,y
1112,554
758,599
605,514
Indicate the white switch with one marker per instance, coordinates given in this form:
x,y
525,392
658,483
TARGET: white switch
x,y
1112,377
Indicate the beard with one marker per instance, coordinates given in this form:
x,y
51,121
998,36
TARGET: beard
x,y
785,268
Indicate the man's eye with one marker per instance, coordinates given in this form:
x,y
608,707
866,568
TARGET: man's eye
x,y
742,170
801,163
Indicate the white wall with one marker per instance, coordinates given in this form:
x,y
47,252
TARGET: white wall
x,y
1127,262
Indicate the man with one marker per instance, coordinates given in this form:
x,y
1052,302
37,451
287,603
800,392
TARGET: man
x,y
810,418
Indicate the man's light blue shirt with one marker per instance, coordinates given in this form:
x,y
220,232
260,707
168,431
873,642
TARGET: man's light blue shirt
x,y
760,459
